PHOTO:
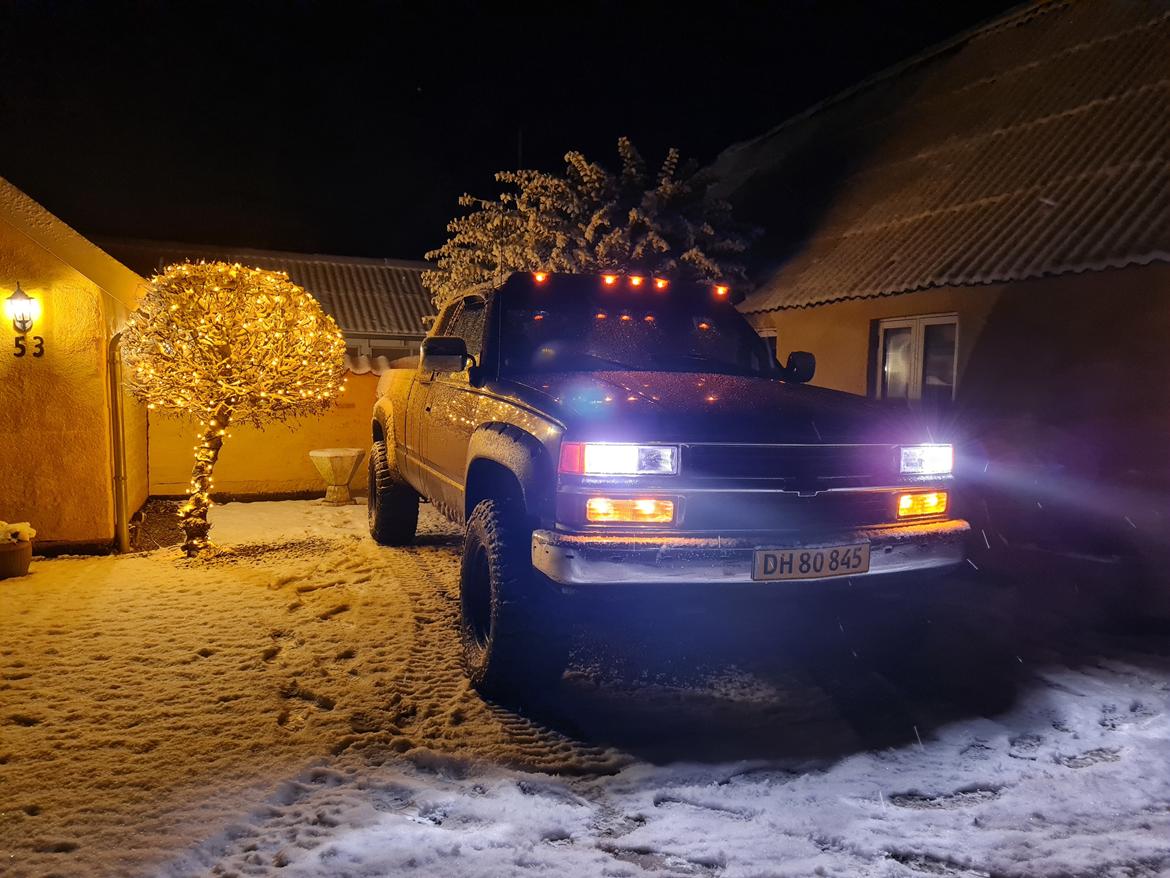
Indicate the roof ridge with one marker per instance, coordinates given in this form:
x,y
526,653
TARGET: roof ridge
x,y
297,255
1014,16
1031,65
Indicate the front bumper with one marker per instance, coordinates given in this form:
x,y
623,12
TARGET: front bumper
x,y
570,560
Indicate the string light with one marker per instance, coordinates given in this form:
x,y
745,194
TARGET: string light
x,y
234,345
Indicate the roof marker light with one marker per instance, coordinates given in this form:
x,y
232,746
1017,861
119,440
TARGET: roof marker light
x,y
722,290
636,280
600,315
649,318
626,316
539,276
660,283
704,325
609,279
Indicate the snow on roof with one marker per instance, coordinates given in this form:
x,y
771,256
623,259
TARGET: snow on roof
x,y
367,297
31,219
1036,145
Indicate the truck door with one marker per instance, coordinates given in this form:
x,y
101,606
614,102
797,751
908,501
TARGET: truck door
x,y
412,465
451,410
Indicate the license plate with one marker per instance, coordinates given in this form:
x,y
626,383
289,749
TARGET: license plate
x,y
822,562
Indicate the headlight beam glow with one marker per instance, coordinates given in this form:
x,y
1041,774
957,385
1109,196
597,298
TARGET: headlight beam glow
x,y
927,460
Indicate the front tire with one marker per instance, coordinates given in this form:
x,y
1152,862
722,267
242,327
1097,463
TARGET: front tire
x,y
512,646
392,505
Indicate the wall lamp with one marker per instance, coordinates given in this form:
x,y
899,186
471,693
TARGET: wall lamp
x,y
22,309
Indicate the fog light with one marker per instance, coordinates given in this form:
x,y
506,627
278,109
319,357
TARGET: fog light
x,y
930,503
640,510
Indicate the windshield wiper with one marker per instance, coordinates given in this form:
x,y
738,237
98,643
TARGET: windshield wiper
x,y
629,367
713,365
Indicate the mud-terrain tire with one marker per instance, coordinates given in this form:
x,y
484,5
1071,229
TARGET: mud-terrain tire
x,y
513,645
392,504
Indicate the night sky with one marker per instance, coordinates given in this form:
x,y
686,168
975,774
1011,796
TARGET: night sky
x,y
351,128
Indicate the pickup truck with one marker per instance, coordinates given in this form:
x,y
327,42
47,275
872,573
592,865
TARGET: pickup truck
x,y
605,431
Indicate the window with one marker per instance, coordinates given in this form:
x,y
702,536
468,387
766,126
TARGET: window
x,y
467,323
772,340
443,321
607,330
916,358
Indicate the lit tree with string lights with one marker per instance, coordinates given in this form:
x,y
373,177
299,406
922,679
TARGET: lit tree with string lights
x,y
228,345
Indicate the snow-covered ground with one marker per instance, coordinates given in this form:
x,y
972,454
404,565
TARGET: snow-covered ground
x,y
294,706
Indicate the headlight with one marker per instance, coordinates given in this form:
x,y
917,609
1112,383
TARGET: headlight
x,y
604,459
927,460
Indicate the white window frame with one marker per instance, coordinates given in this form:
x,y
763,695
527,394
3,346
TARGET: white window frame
x,y
768,332
917,326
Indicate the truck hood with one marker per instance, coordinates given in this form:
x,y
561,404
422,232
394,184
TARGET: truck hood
x,y
706,407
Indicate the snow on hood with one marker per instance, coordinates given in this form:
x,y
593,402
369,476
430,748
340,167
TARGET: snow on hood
x,y
709,407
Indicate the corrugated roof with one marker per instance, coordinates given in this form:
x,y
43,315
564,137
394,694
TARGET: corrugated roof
x,y
378,297
1036,145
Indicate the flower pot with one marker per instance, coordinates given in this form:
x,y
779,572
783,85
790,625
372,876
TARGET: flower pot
x,y
14,559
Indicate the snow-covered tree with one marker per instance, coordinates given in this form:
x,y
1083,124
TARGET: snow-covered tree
x,y
591,220
229,345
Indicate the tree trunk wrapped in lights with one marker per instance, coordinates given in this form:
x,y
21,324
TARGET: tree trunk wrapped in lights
x,y
229,345
591,220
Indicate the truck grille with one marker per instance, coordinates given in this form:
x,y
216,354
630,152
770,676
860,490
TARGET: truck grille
x,y
801,466
774,511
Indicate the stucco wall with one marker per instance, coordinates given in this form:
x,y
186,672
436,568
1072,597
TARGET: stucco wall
x,y
1062,411
1071,369
137,461
55,461
274,460
840,334
1100,338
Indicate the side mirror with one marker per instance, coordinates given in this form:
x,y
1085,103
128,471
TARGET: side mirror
x,y
444,353
801,367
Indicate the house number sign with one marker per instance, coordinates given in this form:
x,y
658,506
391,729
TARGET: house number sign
x,y
26,344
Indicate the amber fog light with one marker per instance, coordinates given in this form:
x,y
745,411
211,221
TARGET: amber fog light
x,y
927,503
641,510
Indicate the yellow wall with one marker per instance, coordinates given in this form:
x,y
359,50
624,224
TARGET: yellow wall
x,y
840,334
137,475
1014,339
55,463
56,443
274,460
1074,360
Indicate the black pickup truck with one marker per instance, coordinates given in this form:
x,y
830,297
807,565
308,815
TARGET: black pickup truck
x,y
600,431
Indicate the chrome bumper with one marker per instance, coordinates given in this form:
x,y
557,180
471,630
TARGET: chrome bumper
x,y
599,560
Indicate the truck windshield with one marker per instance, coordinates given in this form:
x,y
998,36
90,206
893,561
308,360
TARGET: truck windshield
x,y
623,331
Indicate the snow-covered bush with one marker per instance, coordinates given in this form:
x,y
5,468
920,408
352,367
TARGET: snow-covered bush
x,y
591,220
227,345
17,532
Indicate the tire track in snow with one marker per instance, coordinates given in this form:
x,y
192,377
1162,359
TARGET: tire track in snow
x,y
432,706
